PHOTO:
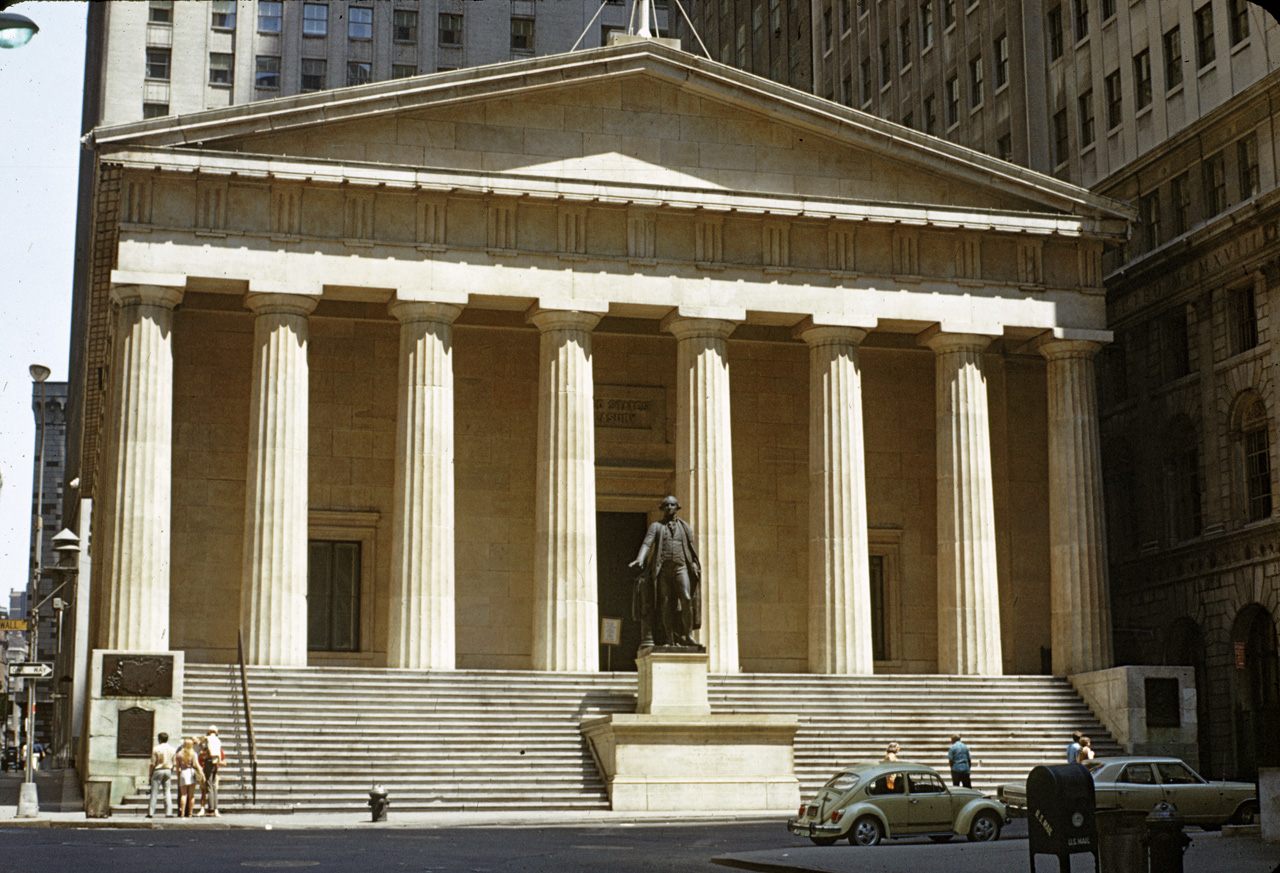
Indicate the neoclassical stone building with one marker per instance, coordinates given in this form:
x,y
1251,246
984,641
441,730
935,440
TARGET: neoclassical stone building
x,y
395,376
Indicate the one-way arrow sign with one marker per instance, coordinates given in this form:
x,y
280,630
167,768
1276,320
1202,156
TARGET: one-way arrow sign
x,y
35,670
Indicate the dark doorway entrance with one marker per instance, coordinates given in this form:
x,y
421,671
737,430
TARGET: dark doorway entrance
x,y
618,538
1257,692
1184,647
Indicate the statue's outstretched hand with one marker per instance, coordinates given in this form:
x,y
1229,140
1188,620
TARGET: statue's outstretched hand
x,y
635,563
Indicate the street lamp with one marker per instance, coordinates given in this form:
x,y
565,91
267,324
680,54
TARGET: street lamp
x,y
16,30
28,799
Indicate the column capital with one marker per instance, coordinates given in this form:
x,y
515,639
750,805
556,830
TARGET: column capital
x,y
408,311
685,327
272,303
561,319
940,339
167,296
827,334
1056,349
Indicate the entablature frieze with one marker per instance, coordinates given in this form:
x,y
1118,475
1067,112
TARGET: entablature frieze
x,y
1207,556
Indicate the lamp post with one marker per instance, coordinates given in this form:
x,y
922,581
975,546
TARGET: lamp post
x,y
15,30
28,799
66,545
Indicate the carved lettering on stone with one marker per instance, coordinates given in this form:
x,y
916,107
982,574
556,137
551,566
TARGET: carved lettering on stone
x,y
137,675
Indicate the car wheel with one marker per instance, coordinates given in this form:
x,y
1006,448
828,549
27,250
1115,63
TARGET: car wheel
x,y
985,828
1246,814
866,831
941,838
824,841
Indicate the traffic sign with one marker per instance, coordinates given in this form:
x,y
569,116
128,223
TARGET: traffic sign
x,y
12,624
34,670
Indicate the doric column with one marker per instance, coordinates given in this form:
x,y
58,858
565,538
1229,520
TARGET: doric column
x,y
273,594
968,591
704,475
839,575
1080,603
136,607
422,586
565,631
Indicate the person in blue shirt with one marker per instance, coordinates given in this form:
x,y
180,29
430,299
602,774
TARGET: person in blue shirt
x,y
958,758
1073,750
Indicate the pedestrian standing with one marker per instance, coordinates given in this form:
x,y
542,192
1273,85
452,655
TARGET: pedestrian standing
x,y
1073,750
958,758
187,765
161,775
212,757
1086,751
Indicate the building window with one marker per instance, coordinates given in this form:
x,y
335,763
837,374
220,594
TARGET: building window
x,y
1085,107
403,71
865,82
1242,319
1002,60
1204,36
1215,184
904,43
404,26
1247,165
827,28
522,34
975,81
1115,103
359,73
775,15
270,16
161,12
1173,59
1175,356
158,63
1256,448
886,64
1082,19
220,68
908,120
315,19
926,24
879,634
224,14
1053,21
333,596
1149,219
862,8
930,115
1238,13
1180,194
742,45
1060,140
267,72
314,72
1004,148
1142,79
948,13
450,29
953,101
846,89
155,110
1108,9
359,22
1182,467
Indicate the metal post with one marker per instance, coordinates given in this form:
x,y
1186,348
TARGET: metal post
x,y
28,799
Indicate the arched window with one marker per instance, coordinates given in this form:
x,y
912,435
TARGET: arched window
x,y
1182,481
1255,452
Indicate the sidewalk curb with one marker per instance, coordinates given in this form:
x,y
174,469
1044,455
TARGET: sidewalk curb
x,y
342,822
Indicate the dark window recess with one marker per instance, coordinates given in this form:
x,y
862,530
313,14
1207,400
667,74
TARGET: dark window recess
x,y
879,636
1164,708
333,596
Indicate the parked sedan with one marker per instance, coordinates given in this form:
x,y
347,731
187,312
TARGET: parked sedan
x,y
872,800
1141,783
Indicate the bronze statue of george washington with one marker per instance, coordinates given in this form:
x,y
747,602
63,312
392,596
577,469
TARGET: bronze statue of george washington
x,y
667,596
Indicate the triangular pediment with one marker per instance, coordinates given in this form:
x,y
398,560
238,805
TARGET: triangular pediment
x,y
639,115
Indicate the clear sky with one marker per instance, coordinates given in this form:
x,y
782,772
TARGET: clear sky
x,y
40,91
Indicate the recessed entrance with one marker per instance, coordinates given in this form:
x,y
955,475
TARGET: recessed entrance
x,y
618,538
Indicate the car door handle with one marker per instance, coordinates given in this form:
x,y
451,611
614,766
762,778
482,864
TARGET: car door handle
x,y
915,801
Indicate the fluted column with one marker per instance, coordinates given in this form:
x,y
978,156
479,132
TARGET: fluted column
x,y
1079,599
136,614
565,630
704,475
968,590
273,594
839,572
422,586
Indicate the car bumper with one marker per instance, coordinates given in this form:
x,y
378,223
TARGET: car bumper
x,y
812,829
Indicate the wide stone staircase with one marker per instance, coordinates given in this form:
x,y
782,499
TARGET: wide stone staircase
x,y
506,740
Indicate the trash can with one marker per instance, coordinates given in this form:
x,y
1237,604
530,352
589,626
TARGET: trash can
x,y
1121,847
97,799
1061,816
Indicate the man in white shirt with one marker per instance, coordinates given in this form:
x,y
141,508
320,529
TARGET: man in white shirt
x,y
162,775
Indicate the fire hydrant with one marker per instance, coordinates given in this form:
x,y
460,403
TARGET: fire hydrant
x,y
378,803
1166,839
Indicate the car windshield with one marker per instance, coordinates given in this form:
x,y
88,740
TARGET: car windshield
x,y
1094,766
843,781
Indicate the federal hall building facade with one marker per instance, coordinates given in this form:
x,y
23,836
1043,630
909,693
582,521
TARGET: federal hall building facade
x,y
396,376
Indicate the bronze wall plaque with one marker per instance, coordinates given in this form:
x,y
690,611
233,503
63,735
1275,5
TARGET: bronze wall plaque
x,y
134,732
137,676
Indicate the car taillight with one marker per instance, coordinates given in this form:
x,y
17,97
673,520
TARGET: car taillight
x,y
801,812
835,816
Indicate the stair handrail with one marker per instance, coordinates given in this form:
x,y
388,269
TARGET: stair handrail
x,y
248,719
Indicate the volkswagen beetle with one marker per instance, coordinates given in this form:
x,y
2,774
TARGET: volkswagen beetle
x,y
874,800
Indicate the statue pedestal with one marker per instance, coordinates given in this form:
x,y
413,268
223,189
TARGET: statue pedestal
x,y
674,755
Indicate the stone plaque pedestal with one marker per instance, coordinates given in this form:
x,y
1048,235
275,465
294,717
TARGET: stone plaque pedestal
x,y
135,684
673,755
